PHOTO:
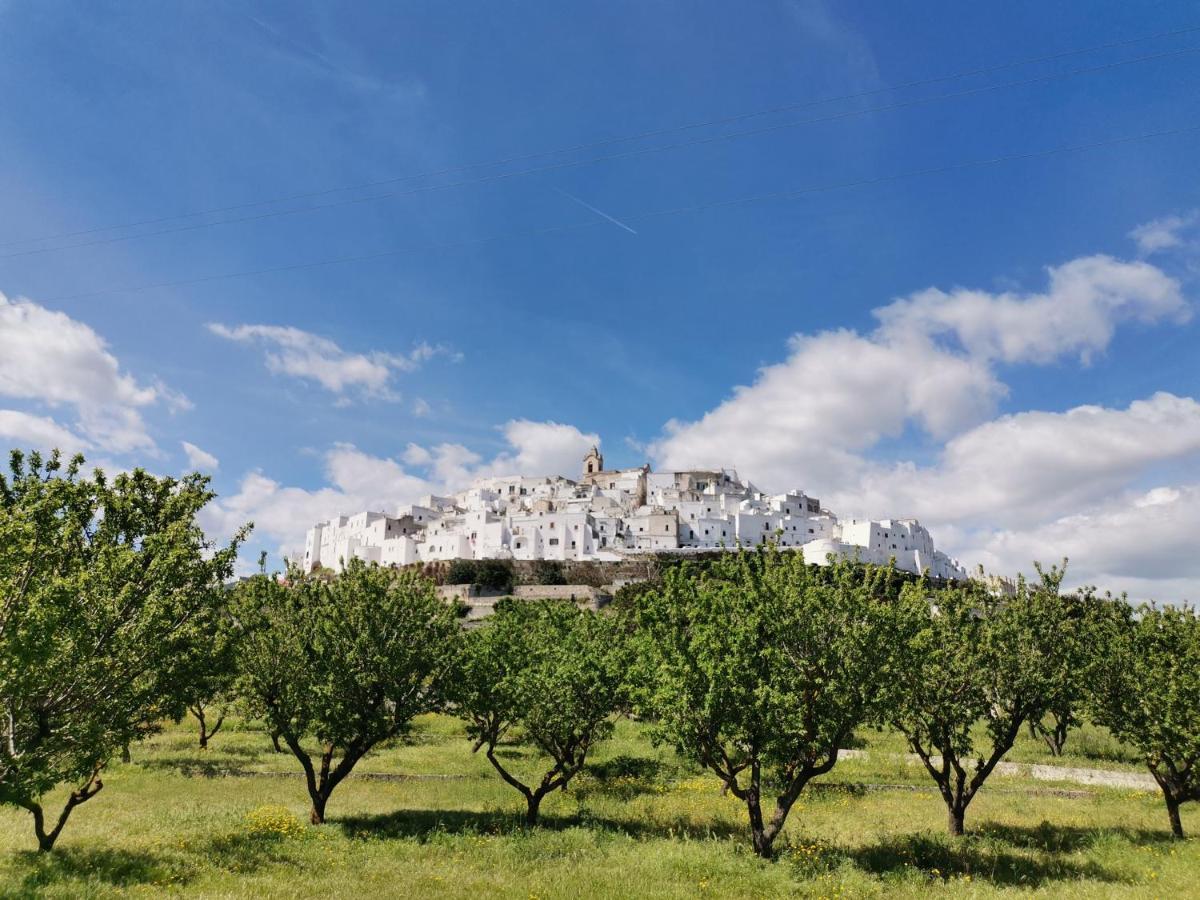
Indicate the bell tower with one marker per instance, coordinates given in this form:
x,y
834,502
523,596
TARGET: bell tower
x,y
593,462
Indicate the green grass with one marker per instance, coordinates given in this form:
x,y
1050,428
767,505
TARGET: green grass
x,y
640,822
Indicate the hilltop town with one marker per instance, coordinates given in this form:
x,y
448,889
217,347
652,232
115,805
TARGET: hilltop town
x,y
613,514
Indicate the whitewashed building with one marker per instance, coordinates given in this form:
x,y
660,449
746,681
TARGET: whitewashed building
x,y
612,514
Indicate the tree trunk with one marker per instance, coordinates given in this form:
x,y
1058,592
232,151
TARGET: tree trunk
x,y
317,816
199,714
275,741
533,802
1173,815
759,837
46,838
955,820
126,757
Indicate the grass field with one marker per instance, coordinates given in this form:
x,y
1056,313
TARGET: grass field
x,y
640,822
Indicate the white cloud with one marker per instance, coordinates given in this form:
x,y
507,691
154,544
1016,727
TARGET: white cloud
x,y
815,420
1030,467
1166,233
358,481
1141,542
421,408
302,354
198,459
20,429
838,393
48,357
1085,301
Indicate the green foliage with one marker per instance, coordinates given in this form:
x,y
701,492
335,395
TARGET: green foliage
x,y
1076,647
490,574
548,571
1145,686
976,657
461,571
761,667
547,672
347,660
109,596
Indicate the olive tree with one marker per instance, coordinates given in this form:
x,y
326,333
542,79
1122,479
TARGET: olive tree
x,y
345,660
108,591
548,673
976,669
1145,687
761,667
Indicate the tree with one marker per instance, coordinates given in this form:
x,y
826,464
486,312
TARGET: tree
x,y
346,659
1076,645
207,690
491,574
494,574
974,658
549,672
107,591
761,667
1145,687
548,571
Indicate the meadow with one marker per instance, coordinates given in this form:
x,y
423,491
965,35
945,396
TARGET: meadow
x,y
424,817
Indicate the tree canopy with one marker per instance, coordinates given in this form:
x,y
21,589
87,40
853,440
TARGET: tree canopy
x,y
108,591
347,660
976,668
1145,687
761,667
546,672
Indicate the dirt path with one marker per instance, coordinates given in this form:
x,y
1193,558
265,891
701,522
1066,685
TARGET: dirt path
x,y
1136,781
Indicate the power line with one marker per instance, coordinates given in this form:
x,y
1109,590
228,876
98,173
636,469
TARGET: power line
x,y
653,214
626,154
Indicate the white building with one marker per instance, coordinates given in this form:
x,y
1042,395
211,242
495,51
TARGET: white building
x,y
612,514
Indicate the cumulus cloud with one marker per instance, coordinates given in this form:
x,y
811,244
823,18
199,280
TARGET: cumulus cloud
x,y
50,358
1084,303
358,481
1032,466
931,363
198,459
817,419
1141,542
20,429
1166,233
308,356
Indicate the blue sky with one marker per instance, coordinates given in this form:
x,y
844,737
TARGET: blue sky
x,y
519,323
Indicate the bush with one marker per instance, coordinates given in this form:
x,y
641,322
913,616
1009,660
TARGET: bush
x,y
548,571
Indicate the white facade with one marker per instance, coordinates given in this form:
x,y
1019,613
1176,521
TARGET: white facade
x,y
608,515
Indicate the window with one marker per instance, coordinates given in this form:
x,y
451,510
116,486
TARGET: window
x,y
553,542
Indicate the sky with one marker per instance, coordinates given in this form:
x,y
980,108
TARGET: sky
x,y
935,260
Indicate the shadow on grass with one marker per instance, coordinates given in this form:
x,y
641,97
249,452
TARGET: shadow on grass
x,y
422,824
117,868
195,767
1050,838
243,853
976,855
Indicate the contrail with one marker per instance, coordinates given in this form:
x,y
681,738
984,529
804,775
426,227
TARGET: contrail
x,y
598,212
